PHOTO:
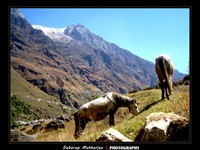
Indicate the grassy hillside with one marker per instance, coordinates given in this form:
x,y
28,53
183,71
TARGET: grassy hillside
x,y
149,101
27,102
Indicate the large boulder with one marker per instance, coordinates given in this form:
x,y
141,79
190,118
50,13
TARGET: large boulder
x,y
112,135
164,127
18,136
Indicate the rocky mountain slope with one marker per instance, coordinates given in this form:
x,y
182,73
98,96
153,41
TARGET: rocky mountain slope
x,y
73,64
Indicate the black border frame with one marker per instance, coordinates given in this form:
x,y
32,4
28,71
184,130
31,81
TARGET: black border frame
x,y
5,76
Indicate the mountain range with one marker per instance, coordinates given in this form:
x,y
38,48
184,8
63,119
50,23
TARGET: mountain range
x,y
73,64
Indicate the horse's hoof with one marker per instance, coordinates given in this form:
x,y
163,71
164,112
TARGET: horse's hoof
x,y
82,134
76,136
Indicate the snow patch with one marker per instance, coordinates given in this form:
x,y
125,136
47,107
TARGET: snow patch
x,y
56,34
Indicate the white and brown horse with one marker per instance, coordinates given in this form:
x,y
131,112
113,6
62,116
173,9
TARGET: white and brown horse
x,y
101,107
164,69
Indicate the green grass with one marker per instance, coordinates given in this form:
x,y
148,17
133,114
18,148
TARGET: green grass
x,y
148,102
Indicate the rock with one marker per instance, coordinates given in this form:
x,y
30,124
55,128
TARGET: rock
x,y
37,125
112,135
55,124
18,136
64,118
24,123
164,127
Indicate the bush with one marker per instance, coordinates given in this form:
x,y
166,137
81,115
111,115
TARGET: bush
x,y
18,108
158,85
133,91
148,88
14,124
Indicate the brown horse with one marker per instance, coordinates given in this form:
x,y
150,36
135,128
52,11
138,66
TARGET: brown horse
x,y
164,69
99,108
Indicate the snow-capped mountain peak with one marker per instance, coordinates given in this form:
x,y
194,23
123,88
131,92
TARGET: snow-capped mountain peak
x,y
56,34
80,28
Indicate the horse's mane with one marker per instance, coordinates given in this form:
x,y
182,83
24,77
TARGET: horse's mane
x,y
121,99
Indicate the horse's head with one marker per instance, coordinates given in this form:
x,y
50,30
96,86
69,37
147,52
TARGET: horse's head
x,y
133,107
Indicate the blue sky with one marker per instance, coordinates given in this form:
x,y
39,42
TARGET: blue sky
x,y
146,32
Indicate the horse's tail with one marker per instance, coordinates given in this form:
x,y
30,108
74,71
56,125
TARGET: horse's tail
x,y
162,64
75,117
75,114
168,82
76,121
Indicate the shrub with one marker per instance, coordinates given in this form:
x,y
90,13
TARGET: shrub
x,y
133,91
18,108
148,88
158,85
14,124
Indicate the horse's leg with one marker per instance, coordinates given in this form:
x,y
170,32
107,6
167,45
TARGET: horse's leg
x,y
111,119
83,124
80,126
162,89
167,93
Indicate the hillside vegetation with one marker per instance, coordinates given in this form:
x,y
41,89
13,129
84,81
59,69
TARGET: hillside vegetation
x,y
148,102
27,102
